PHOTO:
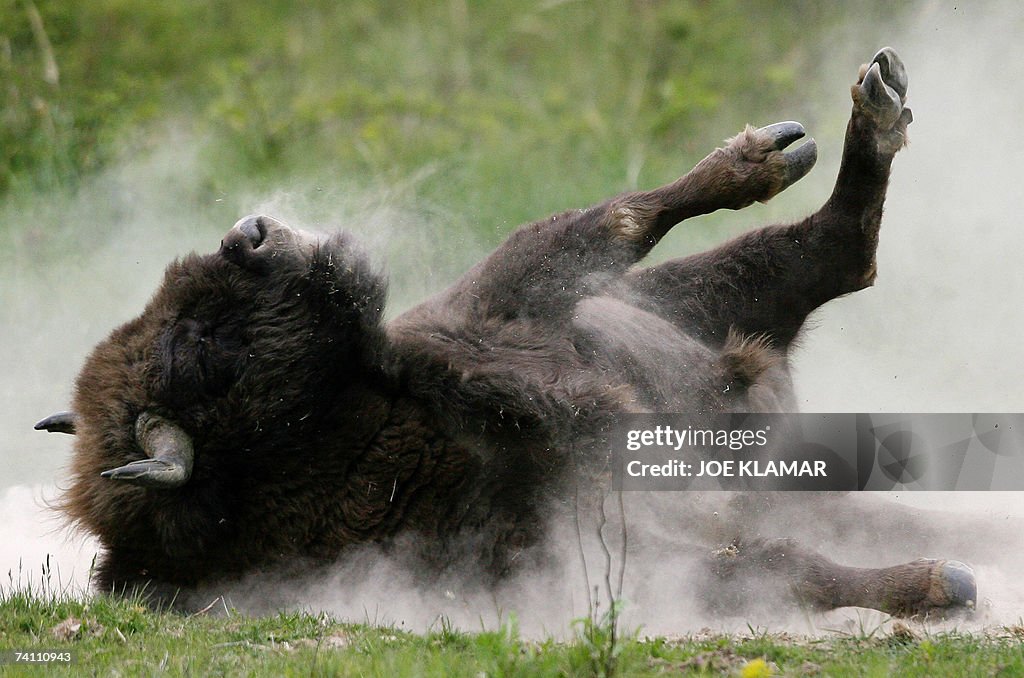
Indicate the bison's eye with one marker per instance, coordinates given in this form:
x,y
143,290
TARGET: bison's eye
x,y
197,359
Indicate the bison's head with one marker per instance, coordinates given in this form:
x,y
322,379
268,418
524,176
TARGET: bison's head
x,y
243,383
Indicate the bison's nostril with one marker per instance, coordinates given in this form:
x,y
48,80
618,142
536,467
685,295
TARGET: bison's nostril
x,y
254,229
250,239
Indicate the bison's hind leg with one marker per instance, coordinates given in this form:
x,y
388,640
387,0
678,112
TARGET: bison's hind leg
x,y
740,572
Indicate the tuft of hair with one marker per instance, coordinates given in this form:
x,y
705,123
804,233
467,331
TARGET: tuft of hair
x,y
747,358
758,371
752,146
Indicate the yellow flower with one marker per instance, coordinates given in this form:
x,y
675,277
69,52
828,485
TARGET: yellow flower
x,y
756,668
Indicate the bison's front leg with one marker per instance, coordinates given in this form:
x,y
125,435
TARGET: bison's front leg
x,y
767,281
925,586
751,167
548,266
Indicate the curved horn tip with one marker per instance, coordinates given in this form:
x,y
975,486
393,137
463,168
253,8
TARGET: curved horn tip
x,y
156,473
170,453
60,422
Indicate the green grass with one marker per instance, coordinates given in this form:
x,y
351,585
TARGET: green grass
x,y
122,637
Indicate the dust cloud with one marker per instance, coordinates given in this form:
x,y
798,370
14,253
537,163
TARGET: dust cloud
x,y
938,333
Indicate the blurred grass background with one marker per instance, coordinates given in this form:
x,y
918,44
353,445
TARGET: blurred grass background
x,y
508,110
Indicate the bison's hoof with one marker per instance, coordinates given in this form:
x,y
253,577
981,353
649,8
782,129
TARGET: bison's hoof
x,y
879,95
781,134
759,164
798,162
953,586
760,145
892,70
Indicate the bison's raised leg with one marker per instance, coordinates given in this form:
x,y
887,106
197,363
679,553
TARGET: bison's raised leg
x,y
768,281
750,168
547,266
744,571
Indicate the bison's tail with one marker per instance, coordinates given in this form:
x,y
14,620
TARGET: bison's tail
x,y
756,371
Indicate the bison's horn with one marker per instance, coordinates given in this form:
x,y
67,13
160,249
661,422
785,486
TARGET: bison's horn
x,y
62,422
170,451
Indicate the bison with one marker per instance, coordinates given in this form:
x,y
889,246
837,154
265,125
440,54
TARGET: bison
x,y
260,411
